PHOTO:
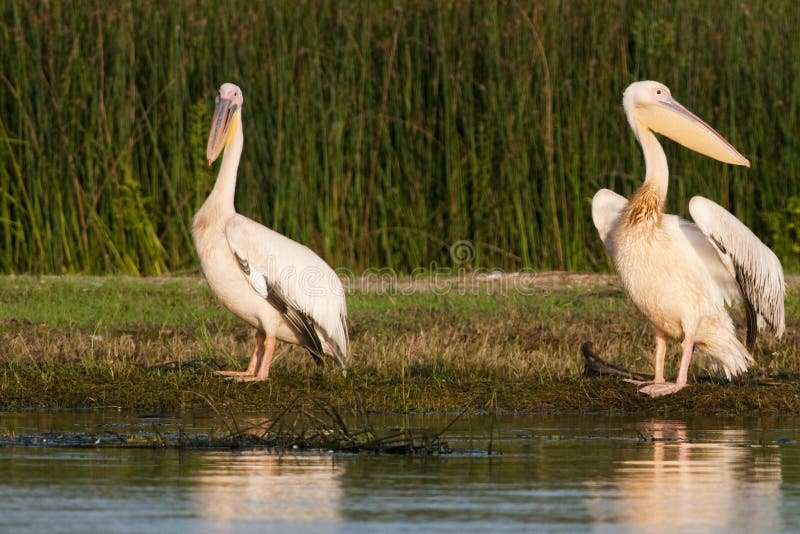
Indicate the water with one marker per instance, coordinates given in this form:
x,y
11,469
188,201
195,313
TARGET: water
x,y
545,473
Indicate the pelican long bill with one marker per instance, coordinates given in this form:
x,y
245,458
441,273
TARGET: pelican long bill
x,y
219,136
673,120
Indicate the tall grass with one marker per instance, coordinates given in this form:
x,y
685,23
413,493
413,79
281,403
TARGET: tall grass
x,y
378,133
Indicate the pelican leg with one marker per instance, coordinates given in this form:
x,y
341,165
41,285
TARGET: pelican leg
x,y
661,352
665,388
686,358
262,371
658,362
251,367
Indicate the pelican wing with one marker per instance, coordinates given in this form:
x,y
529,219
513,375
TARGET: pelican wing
x,y
607,206
303,324
296,282
719,267
757,270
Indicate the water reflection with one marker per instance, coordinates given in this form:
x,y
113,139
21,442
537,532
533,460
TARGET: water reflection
x,y
723,483
233,489
252,486
552,473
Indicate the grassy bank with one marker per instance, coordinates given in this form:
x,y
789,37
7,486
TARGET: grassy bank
x,y
417,345
379,133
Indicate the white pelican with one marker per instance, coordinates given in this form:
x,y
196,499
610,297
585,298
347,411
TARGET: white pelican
x,y
278,286
681,275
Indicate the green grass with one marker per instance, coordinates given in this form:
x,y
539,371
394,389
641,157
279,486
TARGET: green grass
x,y
379,133
153,344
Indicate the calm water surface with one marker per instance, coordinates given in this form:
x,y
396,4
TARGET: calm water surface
x,y
544,473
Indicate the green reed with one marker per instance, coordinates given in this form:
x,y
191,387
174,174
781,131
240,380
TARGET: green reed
x,y
379,133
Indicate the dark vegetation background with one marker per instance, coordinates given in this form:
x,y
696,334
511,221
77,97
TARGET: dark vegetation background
x,y
380,133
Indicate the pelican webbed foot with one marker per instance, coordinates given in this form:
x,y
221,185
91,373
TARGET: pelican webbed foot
x,y
241,376
232,374
659,390
638,382
249,378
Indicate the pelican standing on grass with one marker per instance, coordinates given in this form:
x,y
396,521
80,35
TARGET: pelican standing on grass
x,y
681,275
278,286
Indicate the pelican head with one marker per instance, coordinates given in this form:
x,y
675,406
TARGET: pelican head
x,y
227,110
650,106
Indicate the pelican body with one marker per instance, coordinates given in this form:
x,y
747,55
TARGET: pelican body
x,y
278,286
682,276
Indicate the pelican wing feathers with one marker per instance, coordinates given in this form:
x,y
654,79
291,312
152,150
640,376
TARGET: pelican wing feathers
x,y
607,206
756,269
296,282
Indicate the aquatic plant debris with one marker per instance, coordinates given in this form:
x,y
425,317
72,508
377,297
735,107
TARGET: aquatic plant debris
x,y
293,429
